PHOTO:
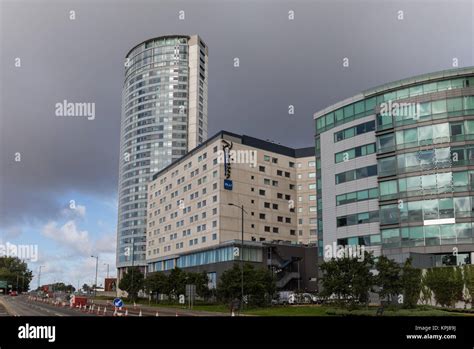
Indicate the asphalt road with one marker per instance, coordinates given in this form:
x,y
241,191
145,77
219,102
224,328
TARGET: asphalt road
x,y
21,306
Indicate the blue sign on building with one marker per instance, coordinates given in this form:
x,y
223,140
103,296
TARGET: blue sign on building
x,y
228,184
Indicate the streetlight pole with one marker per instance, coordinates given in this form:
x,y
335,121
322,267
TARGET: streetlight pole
x,y
133,260
96,270
241,255
39,276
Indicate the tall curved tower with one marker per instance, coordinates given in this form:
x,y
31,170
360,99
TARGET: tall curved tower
x,y
164,114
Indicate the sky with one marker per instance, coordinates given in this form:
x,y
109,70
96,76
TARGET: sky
x,y
58,174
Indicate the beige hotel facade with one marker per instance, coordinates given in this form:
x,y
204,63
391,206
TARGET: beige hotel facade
x,y
191,223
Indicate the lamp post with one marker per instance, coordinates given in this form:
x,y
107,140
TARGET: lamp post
x,y
96,270
39,276
241,255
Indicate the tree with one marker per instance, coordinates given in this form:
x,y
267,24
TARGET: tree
x,y
156,283
469,282
201,281
86,288
16,273
388,278
411,284
132,282
176,283
349,279
259,285
447,284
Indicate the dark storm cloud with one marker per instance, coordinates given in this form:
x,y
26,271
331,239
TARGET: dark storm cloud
x,y
282,63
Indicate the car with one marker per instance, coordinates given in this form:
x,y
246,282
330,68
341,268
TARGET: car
x,y
13,293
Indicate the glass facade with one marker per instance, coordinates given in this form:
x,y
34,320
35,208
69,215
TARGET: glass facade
x,y
223,254
425,162
154,130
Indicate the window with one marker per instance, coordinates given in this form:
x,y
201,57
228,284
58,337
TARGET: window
x,y
261,192
262,215
266,158
261,168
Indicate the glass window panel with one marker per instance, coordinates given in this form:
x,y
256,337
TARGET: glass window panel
x,y
428,181
469,127
387,166
410,136
460,179
417,236
425,133
402,184
448,234
339,115
430,209
462,207
454,104
388,188
349,133
373,193
416,90
370,104
446,208
469,102
432,235
362,195
438,107
330,119
348,111
360,108
432,87
444,181
425,109
457,83
415,211
441,132
402,93
444,85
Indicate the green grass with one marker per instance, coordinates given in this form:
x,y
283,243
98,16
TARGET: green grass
x,y
314,310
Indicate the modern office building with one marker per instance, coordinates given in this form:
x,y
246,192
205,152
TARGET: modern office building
x,y
395,169
164,114
192,224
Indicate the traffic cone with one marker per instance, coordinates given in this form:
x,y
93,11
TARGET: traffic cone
x,y
98,310
157,314
80,306
105,310
126,312
115,312
232,314
176,313
140,313
134,305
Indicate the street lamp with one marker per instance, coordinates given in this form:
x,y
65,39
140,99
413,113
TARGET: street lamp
x,y
241,255
39,276
96,270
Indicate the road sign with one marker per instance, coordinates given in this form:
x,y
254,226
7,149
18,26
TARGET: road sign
x,y
3,284
118,303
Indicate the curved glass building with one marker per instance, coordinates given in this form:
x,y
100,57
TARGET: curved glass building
x,y
164,113
395,169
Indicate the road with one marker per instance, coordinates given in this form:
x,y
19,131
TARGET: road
x,y
21,306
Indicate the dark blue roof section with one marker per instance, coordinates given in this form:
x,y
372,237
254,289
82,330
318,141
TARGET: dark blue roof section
x,y
246,140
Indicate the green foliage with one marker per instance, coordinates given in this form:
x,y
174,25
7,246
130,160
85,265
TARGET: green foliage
x,y
15,272
348,279
411,284
469,281
61,286
447,284
175,283
259,285
132,282
388,277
